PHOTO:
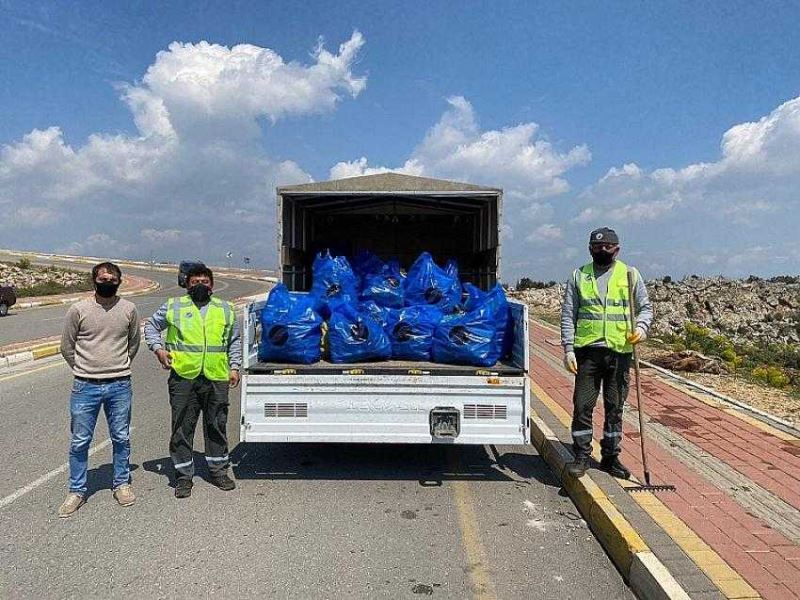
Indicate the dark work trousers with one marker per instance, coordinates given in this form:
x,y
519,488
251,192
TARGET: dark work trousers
x,y
188,398
599,366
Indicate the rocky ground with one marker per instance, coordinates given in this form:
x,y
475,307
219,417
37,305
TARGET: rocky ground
x,y
745,311
752,310
28,277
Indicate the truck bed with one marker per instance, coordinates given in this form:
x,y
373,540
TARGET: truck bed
x,y
388,367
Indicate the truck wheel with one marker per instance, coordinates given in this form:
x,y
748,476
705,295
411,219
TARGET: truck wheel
x,y
3,309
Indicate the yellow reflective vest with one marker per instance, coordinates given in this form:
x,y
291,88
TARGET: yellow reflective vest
x,y
604,320
199,345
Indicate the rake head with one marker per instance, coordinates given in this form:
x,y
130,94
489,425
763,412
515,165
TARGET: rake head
x,y
651,488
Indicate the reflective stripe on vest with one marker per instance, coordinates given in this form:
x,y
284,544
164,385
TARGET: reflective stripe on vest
x,y
199,345
603,320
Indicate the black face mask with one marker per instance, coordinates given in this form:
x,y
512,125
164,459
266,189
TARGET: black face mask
x,y
106,289
199,292
602,258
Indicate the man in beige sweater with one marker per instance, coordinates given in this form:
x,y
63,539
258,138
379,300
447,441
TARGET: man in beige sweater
x,y
101,337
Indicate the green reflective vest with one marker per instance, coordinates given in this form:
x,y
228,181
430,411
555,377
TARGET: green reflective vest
x,y
598,320
199,345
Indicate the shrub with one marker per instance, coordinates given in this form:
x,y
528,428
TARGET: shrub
x,y
50,288
784,279
702,339
772,376
24,263
528,284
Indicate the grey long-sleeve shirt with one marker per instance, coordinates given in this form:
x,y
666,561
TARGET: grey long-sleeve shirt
x,y
569,309
99,341
158,323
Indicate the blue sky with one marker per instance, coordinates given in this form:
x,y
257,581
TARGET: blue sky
x,y
654,86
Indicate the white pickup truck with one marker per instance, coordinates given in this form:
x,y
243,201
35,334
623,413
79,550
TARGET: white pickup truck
x,y
394,216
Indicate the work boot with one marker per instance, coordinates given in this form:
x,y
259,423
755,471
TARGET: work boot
x,y
223,482
183,487
612,465
71,505
124,495
578,467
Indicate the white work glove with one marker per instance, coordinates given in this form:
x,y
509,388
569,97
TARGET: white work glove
x,y
638,336
571,363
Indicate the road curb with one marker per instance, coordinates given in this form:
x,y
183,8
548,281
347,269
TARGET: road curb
x,y
644,572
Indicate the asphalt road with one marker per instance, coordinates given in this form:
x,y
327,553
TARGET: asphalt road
x,y
306,521
29,324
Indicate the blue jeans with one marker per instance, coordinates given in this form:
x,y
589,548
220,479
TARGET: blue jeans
x,y
84,406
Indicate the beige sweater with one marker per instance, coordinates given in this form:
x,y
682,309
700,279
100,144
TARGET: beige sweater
x,y
100,342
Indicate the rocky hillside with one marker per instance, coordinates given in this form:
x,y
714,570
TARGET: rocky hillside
x,y
29,277
752,310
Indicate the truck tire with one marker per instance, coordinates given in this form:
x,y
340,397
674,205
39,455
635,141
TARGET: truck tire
x,y
3,309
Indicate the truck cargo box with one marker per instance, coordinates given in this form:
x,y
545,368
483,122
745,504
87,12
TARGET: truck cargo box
x,y
393,216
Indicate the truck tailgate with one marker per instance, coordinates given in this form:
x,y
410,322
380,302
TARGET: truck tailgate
x,y
492,409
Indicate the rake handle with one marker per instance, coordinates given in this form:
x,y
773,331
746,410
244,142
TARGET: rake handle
x,y
632,315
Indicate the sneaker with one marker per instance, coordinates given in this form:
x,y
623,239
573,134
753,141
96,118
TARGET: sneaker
x,y
612,465
183,488
223,482
71,505
124,495
578,467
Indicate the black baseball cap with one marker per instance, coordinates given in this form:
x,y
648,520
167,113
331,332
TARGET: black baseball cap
x,y
604,235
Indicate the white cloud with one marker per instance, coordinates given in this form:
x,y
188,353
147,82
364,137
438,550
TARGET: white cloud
x,y
736,213
359,167
517,158
197,157
537,212
545,233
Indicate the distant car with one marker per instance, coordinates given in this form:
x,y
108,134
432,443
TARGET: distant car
x,y
184,267
8,298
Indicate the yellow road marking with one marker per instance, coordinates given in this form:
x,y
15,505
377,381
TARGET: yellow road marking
x,y
15,375
482,586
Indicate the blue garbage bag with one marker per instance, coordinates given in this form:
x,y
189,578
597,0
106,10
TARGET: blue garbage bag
x,y
290,328
411,331
451,268
333,281
366,263
355,336
474,295
497,304
384,288
376,311
467,339
427,283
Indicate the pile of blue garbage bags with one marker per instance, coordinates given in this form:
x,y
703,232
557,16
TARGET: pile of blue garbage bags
x,y
366,309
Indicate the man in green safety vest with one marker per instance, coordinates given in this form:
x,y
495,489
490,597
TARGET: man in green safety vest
x,y
203,354
598,344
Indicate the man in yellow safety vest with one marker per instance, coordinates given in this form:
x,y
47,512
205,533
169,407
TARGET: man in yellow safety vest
x,y
598,343
203,354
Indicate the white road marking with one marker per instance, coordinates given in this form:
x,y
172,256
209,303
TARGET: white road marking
x,y
48,476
